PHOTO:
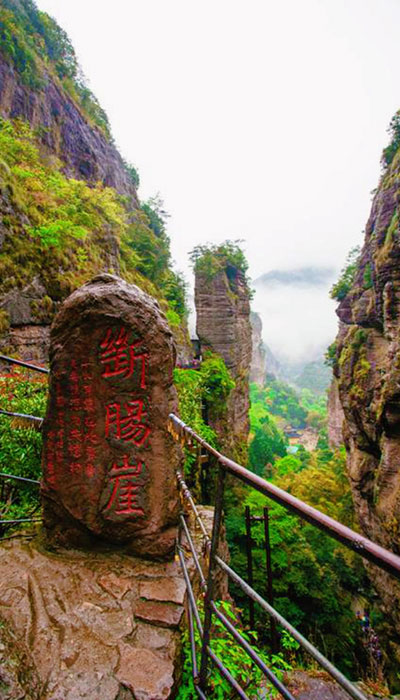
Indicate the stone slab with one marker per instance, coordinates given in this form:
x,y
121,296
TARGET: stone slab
x,y
108,461
72,619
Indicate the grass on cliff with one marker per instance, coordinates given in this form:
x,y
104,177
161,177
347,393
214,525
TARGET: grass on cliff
x,y
35,45
63,231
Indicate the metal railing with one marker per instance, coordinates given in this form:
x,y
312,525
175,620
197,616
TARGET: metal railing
x,y
6,523
367,549
27,365
352,540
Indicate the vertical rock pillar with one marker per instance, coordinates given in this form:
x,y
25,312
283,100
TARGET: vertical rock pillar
x,y
108,461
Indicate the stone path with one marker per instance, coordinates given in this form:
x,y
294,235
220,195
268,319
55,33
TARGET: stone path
x,y
98,626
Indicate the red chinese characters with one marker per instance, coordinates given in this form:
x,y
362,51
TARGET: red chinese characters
x,y
126,417
125,421
126,481
120,357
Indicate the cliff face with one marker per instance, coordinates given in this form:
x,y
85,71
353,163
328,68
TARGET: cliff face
x,y
368,373
68,203
335,416
63,129
223,326
258,357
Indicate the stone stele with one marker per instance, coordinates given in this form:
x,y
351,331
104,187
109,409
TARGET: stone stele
x,y
108,461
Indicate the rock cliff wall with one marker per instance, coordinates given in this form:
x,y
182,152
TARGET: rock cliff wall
x,y
259,356
55,234
367,369
223,326
64,130
335,416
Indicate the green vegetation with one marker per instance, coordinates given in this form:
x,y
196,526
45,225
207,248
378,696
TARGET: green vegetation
x,y
394,132
282,400
75,230
34,43
342,287
234,659
210,259
197,389
20,441
315,579
315,377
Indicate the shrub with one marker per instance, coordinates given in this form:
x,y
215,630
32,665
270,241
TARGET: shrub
x,y
342,287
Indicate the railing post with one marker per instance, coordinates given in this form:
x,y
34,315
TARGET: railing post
x,y
249,563
211,576
270,594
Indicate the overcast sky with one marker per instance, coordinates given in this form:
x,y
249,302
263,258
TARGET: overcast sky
x,y
260,120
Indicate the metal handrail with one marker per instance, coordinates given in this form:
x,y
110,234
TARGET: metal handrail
x,y
13,361
378,555
11,414
361,545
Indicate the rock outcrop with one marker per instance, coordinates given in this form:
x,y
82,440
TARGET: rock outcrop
x,y
54,235
335,416
259,356
64,130
223,326
367,370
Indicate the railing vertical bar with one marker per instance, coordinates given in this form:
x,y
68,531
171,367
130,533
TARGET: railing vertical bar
x,y
270,593
216,661
211,570
310,648
188,496
194,553
193,652
189,588
253,654
249,554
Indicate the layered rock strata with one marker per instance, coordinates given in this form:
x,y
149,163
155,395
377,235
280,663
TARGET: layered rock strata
x,y
259,356
64,130
367,370
335,416
223,326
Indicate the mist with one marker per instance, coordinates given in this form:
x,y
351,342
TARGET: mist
x,y
299,322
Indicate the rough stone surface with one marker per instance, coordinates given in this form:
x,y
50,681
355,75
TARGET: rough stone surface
x,y
74,630
223,326
258,358
335,416
368,375
317,685
108,462
65,131
72,625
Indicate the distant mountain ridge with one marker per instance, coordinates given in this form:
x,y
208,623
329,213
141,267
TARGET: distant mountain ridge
x,y
300,276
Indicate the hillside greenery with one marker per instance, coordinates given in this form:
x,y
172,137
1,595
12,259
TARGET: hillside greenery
x,y
35,45
65,231
211,259
346,278
210,385
315,580
20,440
